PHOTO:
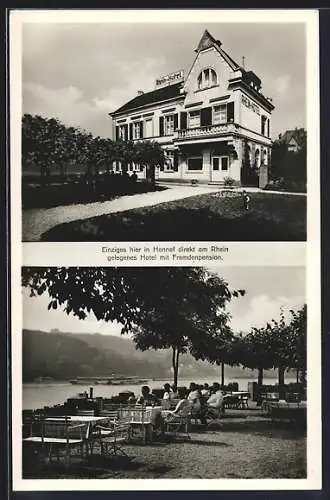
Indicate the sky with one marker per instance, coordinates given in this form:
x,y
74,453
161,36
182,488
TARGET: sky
x,y
267,290
81,72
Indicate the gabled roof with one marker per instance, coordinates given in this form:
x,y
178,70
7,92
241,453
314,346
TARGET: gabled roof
x,y
153,97
207,41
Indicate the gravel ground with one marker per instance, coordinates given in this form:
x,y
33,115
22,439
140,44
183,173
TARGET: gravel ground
x,y
250,447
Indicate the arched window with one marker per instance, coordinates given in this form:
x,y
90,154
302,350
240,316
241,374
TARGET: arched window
x,y
207,78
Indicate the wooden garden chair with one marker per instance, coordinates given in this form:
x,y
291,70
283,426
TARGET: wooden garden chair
x,y
179,419
113,437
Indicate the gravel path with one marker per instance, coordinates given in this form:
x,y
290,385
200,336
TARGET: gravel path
x,y
36,221
246,448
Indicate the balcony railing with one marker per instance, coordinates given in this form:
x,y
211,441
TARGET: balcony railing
x,y
205,131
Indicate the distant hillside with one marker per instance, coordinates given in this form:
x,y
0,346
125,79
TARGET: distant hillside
x,y
65,355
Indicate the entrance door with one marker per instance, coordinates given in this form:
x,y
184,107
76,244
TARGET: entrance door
x,y
220,168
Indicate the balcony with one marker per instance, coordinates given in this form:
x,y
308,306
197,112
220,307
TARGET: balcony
x,y
205,131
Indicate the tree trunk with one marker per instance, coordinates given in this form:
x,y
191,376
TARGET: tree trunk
x,y
62,171
152,174
302,377
42,175
281,372
222,383
260,376
175,365
124,168
281,381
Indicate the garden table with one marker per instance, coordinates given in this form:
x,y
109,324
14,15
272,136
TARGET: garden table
x,y
51,422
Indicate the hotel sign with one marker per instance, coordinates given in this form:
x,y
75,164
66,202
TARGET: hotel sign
x,y
250,104
170,79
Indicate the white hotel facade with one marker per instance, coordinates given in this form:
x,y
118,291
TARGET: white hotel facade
x,y
204,121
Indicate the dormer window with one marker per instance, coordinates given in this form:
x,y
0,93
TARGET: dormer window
x,y
207,78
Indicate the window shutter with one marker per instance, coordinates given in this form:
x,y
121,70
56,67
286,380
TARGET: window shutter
x,y
176,162
161,125
141,130
131,131
175,121
268,127
126,132
117,133
230,112
206,116
183,120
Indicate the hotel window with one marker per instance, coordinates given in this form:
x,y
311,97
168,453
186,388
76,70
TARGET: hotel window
x,y
224,163
207,78
195,163
263,124
122,132
136,130
194,119
148,127
169,124
220,114
220,163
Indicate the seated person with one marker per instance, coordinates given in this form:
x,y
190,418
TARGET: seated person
x,y
216,402
146,398
167,397
175,391
131,400
206,393
194,398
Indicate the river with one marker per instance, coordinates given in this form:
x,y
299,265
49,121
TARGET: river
x,y
38,395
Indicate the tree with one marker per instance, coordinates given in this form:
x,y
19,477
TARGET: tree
x,y
36,143
254,350
184,312
290,166
289,343
280,344
151,155
298,342
188,318
125,153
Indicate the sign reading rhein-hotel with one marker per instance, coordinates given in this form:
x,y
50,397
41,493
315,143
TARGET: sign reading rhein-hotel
x,y
170,79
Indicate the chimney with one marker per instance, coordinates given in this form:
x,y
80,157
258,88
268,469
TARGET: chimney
x,y
140,92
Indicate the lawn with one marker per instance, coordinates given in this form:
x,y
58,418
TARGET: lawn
x,y
207,217
61,193
249,447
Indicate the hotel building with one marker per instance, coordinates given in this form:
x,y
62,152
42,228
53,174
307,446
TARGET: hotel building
x,y
207,121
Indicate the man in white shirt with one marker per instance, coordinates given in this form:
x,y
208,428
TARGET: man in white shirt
x,y
216,403
167,397
193,397
206,390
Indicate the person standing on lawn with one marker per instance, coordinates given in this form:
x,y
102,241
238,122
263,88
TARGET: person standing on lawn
x,y
246,200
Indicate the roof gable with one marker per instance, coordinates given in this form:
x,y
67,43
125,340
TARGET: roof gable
x,y
207,41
